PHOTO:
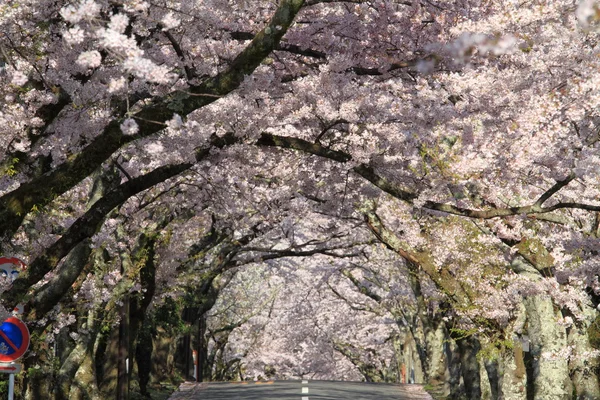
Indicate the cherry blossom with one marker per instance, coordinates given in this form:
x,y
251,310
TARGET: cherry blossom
x,y
428,170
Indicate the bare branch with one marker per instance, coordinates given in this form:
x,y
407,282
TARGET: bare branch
x,y
361,287
557,186
189,73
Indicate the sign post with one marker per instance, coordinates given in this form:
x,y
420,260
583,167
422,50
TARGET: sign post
x,y
14,335
14,342
11,386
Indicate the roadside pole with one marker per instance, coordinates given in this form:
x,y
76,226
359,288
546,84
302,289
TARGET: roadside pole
x,y
11,386
14,342
14,335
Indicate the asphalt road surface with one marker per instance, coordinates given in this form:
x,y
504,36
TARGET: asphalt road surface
x,y
298,390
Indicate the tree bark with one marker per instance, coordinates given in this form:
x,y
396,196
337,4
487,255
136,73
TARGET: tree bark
x,y
86,387
512,374
550,372
468,348
143,356
584,369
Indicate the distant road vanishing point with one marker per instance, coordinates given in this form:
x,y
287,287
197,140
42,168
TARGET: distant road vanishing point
x,y
298,390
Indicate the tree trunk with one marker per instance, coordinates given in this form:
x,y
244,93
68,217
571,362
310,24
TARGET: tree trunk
x,y
584,369
489,379
123,361
548,342
512,374
85,379
69,368
444,363
39,379
77,377
468,348
143,356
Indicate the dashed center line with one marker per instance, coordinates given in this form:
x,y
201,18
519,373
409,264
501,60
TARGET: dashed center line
x,y
304,382
304,398
304,390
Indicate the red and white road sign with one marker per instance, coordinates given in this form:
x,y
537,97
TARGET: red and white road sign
x,y
14,339
10,267
10,368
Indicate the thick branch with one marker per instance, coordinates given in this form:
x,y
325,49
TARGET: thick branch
x,y
419,260
14,206
51,293
83,228
368,173
286,142
305,253
89,223
295,49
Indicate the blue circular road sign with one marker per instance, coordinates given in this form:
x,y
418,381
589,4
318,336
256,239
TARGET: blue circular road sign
x,y
14,339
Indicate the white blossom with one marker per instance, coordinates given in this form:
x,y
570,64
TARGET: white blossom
x,y
118,23
19,78
90,59
117,85
129,127
74,35
170,22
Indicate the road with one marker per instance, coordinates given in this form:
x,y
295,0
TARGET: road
x,y
298,390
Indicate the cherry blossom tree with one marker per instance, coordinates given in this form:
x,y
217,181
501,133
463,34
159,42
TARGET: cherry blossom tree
x,y
161,149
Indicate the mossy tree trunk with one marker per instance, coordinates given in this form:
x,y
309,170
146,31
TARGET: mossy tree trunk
x,y
585,369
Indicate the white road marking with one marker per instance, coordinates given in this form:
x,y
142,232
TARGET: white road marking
x,y
304,382
304,390
304,398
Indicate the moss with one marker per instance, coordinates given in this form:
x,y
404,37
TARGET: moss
x,y
593,332
520,370
535,252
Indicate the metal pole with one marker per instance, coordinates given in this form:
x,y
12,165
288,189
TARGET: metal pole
x,y
11,386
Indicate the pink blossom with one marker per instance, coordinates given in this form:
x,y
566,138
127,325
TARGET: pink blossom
x,y
170,22
118,23
90,59
129,127
87,9
74,35
117,85
19,78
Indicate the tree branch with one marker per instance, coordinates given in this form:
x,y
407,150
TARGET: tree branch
x,y
555,188
368,173
14,206
361,288
349,302
189,73
417,260
89,223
